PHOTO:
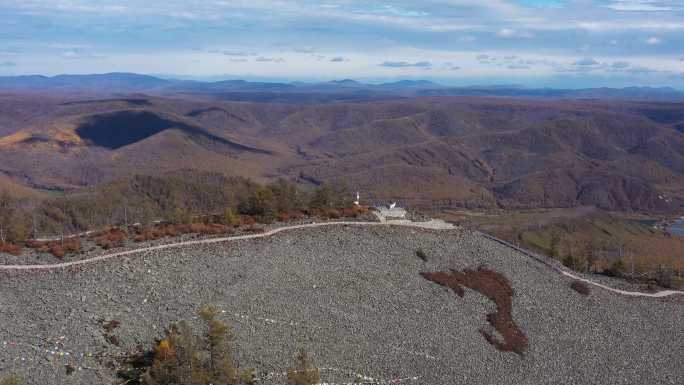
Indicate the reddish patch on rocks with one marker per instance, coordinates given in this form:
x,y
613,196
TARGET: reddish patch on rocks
x,y
494,286
580,287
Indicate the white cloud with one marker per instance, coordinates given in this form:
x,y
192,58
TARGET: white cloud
x,y
586,62
449,66
236,53
263,59
304,49
653,40
404,64
508,33
79,54
638,6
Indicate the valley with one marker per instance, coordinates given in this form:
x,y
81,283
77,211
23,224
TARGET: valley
x,y
427,152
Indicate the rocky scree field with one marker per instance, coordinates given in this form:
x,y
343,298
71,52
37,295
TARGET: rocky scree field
x,y
353,297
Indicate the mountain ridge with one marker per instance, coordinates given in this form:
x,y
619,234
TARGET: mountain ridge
x,y
444,151
345,89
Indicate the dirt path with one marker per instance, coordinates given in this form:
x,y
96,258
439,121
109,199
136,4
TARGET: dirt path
x,y
423,225
63,265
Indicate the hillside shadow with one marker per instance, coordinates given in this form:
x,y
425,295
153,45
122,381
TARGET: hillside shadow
x,y
123,128
120,129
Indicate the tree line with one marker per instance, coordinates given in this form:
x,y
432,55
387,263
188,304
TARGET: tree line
x,y
144,199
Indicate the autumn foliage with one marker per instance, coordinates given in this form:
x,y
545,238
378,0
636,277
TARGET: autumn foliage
x,y
188,359
58,248
184,357
10,248
111,239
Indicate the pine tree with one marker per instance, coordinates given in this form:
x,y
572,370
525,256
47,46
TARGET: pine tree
x,y
304,372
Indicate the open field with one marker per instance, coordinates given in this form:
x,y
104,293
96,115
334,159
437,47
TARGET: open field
x,y
355,299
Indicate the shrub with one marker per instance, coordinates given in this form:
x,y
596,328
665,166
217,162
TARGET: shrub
x,y
11,380
10,248
292,215
247,220
57,250
110,325
664,276
72,245
111,239
315,212
254,230
617,269
350,212
332,213
296,214
304,372
230,218
260,202
573,262
41,247
580,287
185,358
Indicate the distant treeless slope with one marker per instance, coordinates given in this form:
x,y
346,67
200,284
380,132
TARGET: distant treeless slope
x,y
448,151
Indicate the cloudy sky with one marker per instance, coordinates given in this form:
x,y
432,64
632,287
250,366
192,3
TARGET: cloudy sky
x,y
555,43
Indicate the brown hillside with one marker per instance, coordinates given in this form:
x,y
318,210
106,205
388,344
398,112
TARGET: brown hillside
x,y
450,151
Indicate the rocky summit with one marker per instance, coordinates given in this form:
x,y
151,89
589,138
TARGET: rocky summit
x,y
355,299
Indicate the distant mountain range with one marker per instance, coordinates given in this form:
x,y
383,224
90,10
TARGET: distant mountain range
x,y
301,92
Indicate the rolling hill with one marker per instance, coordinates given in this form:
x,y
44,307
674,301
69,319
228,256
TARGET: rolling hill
x,y
444,151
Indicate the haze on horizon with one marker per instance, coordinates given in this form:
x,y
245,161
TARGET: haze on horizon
x,y
550,43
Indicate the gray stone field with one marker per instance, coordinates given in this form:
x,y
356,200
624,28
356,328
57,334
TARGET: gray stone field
x,y
353,298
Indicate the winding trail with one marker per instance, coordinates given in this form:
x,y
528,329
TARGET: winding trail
x,y
433,225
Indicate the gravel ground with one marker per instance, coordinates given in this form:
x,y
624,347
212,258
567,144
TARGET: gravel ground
x,y
90,248
353,298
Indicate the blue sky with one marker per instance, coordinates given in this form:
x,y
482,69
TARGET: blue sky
x,y
554,43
